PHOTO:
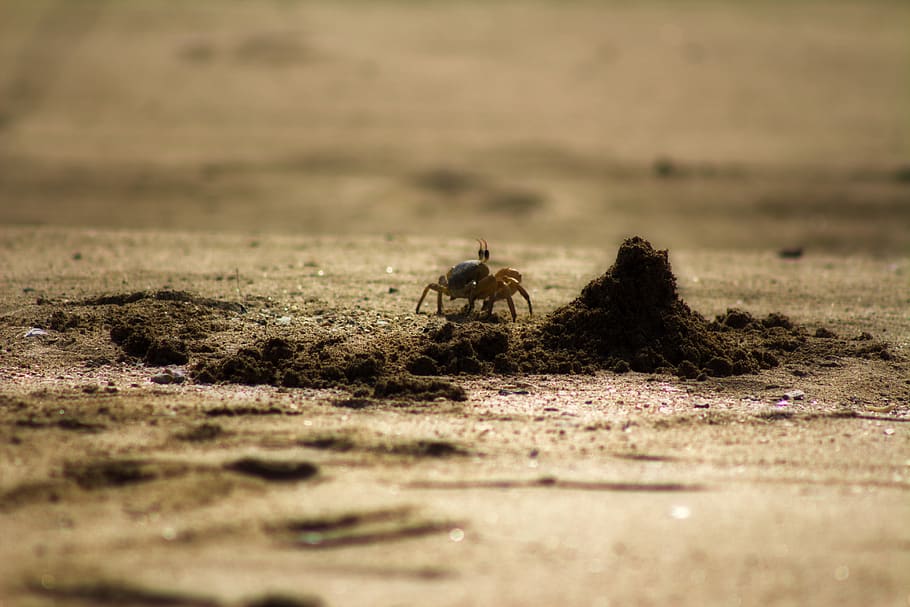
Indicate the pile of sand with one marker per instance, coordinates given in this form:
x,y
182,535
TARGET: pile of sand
x,y
631,318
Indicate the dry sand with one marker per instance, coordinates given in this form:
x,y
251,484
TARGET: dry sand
x,y
256,195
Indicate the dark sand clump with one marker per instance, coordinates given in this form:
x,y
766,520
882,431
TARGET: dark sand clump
x,y
327,362
631,318
473,348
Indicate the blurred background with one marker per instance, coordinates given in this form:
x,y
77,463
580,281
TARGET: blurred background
x,y
714,124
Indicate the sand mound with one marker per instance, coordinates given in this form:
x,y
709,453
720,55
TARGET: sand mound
x,y
631,317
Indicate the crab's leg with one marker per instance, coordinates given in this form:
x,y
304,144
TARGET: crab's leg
x,y
511,307
431,287
472,300
420,301
486,285
500,291
524,294
487,305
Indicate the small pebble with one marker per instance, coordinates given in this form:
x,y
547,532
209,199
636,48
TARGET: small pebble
x,y
794,395
35,332
169,376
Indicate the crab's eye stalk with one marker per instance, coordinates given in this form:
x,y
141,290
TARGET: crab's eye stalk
x,y
483,254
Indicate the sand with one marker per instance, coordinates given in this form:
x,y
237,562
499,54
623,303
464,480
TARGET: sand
x,y
214,386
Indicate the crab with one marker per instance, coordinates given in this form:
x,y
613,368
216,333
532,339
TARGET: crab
x,y
472,280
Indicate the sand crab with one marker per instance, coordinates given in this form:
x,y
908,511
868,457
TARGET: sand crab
x,y
472,280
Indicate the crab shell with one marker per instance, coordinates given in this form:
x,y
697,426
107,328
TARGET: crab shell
x,y
462,278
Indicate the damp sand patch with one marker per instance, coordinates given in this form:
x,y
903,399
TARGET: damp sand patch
x,y
631,318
